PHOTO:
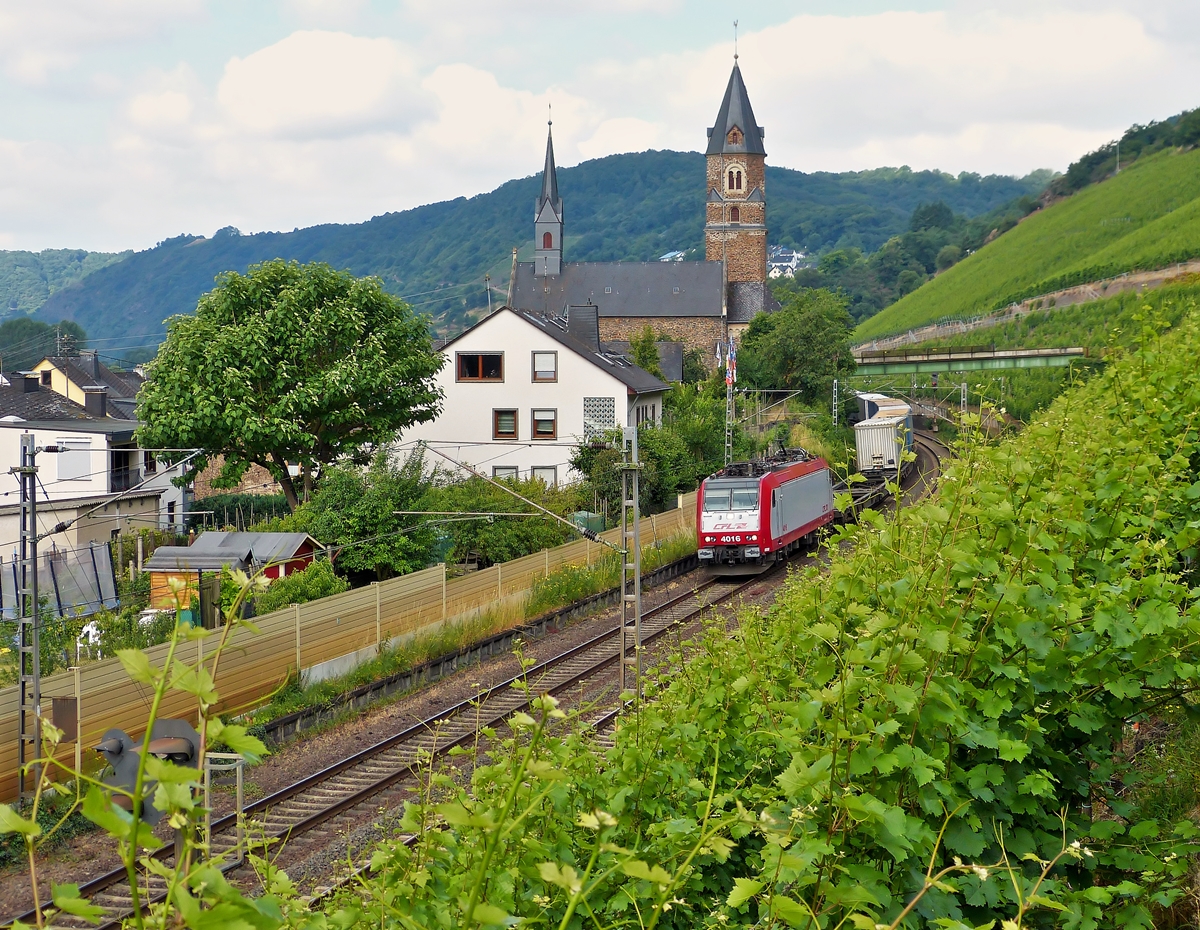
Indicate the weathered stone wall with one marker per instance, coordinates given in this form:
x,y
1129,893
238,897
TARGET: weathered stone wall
x,y
754,169
744,250
257,480
695,332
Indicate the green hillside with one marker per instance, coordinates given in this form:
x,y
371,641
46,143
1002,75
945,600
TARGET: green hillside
x,y
624,207
27,279
1145,217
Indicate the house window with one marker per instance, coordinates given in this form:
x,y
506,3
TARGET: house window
x,y
149,463
735,215
548,474
545,366
608,290
675,290
478,366
74,459
547,241
545,424
46,379
504,424
504,472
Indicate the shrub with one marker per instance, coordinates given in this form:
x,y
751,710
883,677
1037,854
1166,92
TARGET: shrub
x,y
316,581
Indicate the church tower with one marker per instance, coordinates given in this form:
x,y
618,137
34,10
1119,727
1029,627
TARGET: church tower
x,y
548,218
735,228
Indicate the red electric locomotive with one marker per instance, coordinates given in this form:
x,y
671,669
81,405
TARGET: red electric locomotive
x,y
751,514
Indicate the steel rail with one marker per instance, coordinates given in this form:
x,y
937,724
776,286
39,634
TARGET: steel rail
x,y
423,728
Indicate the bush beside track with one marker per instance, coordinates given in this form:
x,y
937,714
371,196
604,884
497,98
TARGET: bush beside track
x,y
953,694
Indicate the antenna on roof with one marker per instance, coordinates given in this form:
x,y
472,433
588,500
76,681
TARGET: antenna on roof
x,y
735,55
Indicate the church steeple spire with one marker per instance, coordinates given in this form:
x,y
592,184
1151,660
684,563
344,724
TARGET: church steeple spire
x,y
548,216
549,174
736,132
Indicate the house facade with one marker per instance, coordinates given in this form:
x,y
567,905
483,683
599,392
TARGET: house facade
x,y
99,483
522,390
698,303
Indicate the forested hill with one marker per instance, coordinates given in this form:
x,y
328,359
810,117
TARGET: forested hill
x,y
633,207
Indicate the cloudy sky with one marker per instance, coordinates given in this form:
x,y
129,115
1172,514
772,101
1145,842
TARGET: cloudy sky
x,y
123,122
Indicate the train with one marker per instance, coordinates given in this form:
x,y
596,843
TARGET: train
x,y
750,515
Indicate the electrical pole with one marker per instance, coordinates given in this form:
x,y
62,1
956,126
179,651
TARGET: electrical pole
x,y
835,402
487,283
29,635
730,411
631,567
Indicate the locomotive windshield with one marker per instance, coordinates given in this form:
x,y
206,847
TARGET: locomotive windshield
x,y
722,498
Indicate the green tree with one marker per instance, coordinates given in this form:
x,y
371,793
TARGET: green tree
x,y
503,538
288,364
354,511
948,256
801,347
645,352
25,342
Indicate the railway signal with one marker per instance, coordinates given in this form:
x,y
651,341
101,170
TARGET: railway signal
x,y
174,741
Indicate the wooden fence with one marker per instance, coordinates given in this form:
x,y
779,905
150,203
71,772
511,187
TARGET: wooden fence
x,y
306,635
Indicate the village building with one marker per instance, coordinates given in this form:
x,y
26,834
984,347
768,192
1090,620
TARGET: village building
x,y
99,483
699,303
523,389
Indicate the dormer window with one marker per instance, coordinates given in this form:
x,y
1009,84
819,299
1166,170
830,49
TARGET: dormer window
x,y
734,137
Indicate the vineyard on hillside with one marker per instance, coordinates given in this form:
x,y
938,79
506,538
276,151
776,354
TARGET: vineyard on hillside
x,y
1146,217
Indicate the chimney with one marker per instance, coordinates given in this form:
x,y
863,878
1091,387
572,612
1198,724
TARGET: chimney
x,y
584,324
95,400
30,381
96,363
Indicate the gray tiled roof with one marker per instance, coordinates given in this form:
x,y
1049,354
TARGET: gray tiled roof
x,y
42,404
636,379
736,111
86,370
623,289
670,356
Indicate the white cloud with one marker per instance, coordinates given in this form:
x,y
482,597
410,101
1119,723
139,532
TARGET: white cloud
x,y
315,84
330,126
39,38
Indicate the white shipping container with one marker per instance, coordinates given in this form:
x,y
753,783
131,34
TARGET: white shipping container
x,y
879,442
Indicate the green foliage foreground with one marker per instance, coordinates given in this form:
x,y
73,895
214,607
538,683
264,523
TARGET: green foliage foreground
x,y
940,717
931,733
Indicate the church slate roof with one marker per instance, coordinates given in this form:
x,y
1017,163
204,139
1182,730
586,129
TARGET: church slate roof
x,y
736,111
747,298
623,289
550,181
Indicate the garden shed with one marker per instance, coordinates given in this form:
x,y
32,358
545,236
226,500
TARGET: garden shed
x,y
274,554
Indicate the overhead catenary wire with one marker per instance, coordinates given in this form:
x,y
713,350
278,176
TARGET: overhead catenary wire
x,y
586,533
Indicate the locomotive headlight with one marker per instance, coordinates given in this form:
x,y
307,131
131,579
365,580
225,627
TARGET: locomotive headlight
x,y
710,538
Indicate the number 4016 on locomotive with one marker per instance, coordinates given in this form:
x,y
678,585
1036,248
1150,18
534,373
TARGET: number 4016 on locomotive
x,y
752,514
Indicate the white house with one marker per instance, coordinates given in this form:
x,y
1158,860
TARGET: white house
x,y
522,390
99,483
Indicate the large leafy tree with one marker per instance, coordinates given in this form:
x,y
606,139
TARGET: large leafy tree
x,y
288,364
801,347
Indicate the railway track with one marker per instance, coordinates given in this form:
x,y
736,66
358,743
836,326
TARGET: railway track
x,y
303,807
